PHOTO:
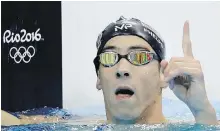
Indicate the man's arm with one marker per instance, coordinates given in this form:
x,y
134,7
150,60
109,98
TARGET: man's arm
x,y
8,119
38,119
206,116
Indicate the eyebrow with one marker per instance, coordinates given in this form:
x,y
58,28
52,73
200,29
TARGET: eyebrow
x,y
130,48
138,47
109,48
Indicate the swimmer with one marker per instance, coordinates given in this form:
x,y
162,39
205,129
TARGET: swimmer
x,y
132,72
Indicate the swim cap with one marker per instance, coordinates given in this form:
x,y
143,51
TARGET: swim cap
x,y
131,26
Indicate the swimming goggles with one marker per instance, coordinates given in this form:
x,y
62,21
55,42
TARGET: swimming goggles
x,y
137,58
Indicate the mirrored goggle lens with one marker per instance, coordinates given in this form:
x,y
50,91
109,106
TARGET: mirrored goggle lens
x,y
108,58
140,58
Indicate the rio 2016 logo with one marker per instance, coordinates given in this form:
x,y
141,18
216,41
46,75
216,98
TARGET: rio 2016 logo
x,y
22,54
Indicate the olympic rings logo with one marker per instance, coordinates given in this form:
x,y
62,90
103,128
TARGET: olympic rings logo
x,y
22,55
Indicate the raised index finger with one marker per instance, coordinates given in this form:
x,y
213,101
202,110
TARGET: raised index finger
x,y
186,42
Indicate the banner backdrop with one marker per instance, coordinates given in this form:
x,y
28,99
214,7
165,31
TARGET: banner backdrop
x,y
31,55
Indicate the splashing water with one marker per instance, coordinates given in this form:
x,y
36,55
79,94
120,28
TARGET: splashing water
x,y
112,127
182,120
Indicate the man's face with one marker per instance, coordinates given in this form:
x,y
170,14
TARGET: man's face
x,y
141,84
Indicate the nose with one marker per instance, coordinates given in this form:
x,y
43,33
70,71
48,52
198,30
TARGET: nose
x,y
123,70
122,74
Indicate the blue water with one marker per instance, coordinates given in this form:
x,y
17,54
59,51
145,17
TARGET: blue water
x,y
112,127
172,109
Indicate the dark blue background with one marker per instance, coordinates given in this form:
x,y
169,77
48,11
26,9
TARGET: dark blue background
x,y
38,83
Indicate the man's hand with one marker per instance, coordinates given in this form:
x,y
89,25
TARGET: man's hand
x,y
186,80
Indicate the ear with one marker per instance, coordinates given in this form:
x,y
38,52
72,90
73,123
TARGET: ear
x,y
163,65
98,83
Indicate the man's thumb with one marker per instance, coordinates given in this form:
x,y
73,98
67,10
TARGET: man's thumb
x,y
163,65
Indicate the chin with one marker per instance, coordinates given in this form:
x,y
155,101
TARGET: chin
x,y
126,114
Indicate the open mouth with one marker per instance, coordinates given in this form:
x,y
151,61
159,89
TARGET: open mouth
x,y
123,93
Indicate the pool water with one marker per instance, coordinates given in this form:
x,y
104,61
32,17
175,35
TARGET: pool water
x,y
112,127
175,111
